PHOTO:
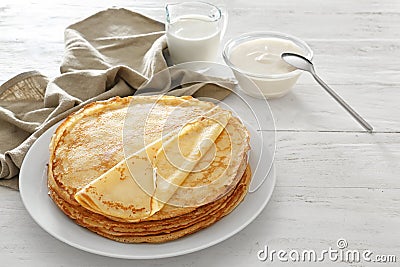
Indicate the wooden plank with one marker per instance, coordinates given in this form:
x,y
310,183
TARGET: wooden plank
x,y
305,218
310,108
338,160
335,25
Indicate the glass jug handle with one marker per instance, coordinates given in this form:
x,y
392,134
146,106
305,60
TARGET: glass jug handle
x,y
224,17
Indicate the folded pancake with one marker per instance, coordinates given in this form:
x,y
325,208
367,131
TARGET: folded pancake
x,y
177,159
139,191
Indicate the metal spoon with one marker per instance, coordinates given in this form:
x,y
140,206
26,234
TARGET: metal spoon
x,y
305,64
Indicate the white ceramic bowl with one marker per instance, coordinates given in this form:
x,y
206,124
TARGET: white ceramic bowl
x,y
272,85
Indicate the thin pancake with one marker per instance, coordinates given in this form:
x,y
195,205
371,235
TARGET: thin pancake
x,y
229,202
158,223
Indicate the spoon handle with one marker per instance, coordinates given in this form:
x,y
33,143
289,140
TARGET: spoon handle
x,y
340,100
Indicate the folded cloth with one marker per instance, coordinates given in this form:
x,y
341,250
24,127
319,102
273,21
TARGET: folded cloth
x,y
111,53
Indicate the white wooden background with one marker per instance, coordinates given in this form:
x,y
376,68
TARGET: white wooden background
x,y
333,179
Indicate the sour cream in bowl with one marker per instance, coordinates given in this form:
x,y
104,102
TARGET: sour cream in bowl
x,y
257,57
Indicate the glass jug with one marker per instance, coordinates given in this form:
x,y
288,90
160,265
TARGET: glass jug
x,y
194,31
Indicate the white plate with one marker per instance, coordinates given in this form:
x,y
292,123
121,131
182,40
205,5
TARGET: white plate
x,y
34,194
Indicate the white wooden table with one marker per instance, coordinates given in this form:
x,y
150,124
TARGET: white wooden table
x,y
333,179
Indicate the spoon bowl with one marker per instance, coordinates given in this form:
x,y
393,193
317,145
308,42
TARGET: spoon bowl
x,y
298,61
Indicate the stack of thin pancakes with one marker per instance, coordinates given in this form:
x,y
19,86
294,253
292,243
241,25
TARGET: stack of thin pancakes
x,y
97,174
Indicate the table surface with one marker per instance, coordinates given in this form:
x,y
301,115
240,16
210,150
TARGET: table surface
x,y
333,179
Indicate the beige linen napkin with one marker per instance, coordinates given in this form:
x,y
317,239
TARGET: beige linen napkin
x,y
111,53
